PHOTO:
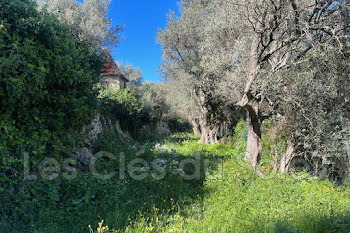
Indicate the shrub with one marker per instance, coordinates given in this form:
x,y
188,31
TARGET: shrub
x,y
178,125
123,106
46,90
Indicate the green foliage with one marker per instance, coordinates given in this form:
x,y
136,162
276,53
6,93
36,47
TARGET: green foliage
x,y
122,105
158,101
177,125
230,199
121,102
239,139
314,107
133,74
274,140
87,20
154,96
109,140
46,90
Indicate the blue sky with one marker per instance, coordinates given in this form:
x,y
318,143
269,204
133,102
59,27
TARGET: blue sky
x,y
142,19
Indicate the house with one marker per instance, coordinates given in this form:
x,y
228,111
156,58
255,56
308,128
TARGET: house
x,y
112,75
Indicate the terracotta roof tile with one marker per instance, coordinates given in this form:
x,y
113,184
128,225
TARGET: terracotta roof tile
x,y
109,67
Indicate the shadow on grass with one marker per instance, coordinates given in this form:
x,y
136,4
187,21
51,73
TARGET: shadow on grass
x,y
311,224
70,206
177,138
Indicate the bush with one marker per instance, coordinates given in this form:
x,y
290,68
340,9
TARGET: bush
x,y
123,106
46,90
178,125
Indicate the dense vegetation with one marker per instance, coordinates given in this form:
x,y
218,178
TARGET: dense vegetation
x,y
227,198
46,93
123,106
248,133
279,60
48,97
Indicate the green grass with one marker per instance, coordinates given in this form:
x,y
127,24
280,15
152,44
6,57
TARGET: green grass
x,y
228,197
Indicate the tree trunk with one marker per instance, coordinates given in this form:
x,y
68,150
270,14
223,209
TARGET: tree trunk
x,y
209,132
251,104
196,127
213,134
209,135
204,118
287,158
254,143
205,130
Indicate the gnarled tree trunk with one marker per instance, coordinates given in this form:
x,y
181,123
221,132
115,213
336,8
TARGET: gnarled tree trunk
x,y
196,126
204,118
205,128
209,132
213,134
287,158
254,142
251,104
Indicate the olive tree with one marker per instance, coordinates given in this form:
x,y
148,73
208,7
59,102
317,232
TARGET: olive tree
x,y
187,60
87,20
312,99
133,74
277,34
181,102
230,52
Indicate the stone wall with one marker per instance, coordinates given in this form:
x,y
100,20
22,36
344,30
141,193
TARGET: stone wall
x,y
114,82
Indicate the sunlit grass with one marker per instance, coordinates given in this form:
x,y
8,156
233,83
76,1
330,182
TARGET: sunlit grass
x,y
229,198
236,200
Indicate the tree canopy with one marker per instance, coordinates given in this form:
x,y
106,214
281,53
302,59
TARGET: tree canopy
x,y
258,57
87,20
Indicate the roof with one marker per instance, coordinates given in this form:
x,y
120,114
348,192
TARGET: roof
x,y
110,68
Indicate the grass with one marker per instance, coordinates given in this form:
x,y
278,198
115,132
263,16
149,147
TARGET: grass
x,y
227,197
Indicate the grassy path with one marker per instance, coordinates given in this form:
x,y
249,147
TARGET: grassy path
x,y
228,198
225,197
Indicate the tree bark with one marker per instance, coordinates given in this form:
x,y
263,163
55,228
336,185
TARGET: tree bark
x,y
196,126
209,135
254,142
287,158
213,134
209,130
251,104
205,126
204,118
205,134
